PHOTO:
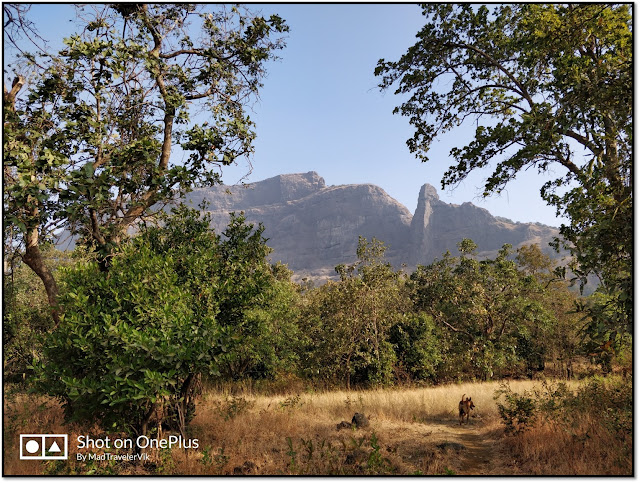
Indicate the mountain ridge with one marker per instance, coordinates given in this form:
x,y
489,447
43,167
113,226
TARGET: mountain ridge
x,y
313,227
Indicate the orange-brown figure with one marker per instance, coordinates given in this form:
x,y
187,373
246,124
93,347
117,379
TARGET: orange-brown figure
x,y
464,408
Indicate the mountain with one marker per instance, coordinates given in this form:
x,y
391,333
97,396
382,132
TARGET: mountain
x,y
313,227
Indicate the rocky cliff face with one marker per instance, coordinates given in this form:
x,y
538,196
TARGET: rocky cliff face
x,y
438,226
313,227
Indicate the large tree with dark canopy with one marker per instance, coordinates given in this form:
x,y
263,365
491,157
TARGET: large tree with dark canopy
x,y
550,87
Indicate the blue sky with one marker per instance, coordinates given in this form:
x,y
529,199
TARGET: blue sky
x,y
320,109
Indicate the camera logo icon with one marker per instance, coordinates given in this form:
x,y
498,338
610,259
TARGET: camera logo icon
x,y
44,447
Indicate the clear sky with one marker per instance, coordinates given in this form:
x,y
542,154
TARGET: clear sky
x,y
320,109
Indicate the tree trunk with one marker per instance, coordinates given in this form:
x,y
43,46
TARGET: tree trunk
x,y
183,404
144,426
33,258
612,160
9,97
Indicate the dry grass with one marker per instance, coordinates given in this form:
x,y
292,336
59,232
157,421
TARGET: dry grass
x,y
585,450
595,441
394,404
296,434
29,414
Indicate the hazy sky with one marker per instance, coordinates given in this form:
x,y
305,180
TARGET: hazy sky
x,y
320,109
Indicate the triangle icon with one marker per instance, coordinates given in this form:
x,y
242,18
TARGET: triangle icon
x,y
54,448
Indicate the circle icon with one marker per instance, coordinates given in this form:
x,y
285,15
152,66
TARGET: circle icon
x,y
32,446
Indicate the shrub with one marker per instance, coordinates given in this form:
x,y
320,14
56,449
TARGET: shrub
x,y
584,432
27,316
233,406
607,400
130,342
135,339
519,411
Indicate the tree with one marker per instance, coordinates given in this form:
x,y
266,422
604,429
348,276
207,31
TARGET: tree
x,y
349,321
562,340
488,309
133,342
256,304
89,147
18,26
549,87
26,314
418,346
252,299
268,345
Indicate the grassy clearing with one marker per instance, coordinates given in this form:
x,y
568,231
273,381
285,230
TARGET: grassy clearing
x,y
244,433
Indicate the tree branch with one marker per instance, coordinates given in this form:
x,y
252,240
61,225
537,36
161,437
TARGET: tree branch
x,y
10,96
456,329
522,91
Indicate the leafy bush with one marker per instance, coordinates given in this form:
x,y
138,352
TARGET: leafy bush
x,y
134,340
417,346
487,310
519,411
26,315
130,341
347,323
317,456
291,403
609,401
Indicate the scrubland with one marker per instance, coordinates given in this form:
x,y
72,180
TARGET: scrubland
x,y
412,431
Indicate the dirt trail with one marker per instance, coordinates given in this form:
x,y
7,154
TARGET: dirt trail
x,y
476,448
481,453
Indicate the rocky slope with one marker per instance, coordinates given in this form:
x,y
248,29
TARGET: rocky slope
x,y
438,226
313,227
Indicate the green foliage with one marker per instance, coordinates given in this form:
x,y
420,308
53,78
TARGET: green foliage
x,y
352,457
291,403
134,341
489,312
548,86
601,332
611,399
231,276
521,411
89,145
130,341
219,459
417,344
457,318
233,406
518,413
348,322
292,465
608,402
376,463
27,316
563,339
256,303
